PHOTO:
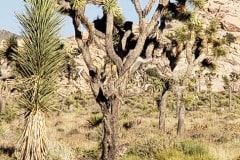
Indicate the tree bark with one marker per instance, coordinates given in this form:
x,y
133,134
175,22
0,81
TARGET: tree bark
x,y
211,100
230,98
199,85
2,105
181,115
110,112
162,110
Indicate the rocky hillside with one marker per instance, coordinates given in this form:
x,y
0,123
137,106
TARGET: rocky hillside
x,y
226,11
5,34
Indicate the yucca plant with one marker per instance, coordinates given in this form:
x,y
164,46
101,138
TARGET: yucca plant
x,y
8,50
38,64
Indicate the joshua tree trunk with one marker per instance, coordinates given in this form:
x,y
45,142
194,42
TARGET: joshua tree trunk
x,y
230,97
180,111
110,111
162,110
211,100
181,115
199,85
2,105
32,143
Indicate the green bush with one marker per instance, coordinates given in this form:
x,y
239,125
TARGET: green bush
x,y
95,120
175,154
132,157
11,114
147,149
172,154
190,147
88,154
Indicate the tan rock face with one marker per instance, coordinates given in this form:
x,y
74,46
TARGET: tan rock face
x,y
231,23
227,11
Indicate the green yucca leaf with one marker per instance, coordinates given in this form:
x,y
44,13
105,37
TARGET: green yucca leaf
x,y
181,35
198,3
39,61
212,28
219,51
194,23
111,6
226,80
78,4
229,38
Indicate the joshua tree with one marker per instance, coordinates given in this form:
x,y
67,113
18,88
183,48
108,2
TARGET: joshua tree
x,y
209,77
38,63
6,70
230,82
199,75
197,42
125,49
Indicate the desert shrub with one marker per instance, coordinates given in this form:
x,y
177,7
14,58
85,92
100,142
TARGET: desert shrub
x,y
59,151
203,99
129,102
95,120
190,147
72,132
171,102
132,157
172,154
199,157
95,134
147,148
77,99
124,116
176,154
141,106
190,100
93,154
11,114
88,154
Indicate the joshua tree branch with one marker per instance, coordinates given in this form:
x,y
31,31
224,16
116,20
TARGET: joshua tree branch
x,y
124,39
148,7
109,43
134,54
138,9
139,61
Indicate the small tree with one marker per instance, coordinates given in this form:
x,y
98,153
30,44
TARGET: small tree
x,y
38,64
196,42
209,77
230,82
6,68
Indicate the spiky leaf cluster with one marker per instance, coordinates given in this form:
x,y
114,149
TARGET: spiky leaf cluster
x,y
78,4
219,51
226,80
234,77
198,3
211,30
190,99
194,24
9,49
112,6
229,38
181,35
39,60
